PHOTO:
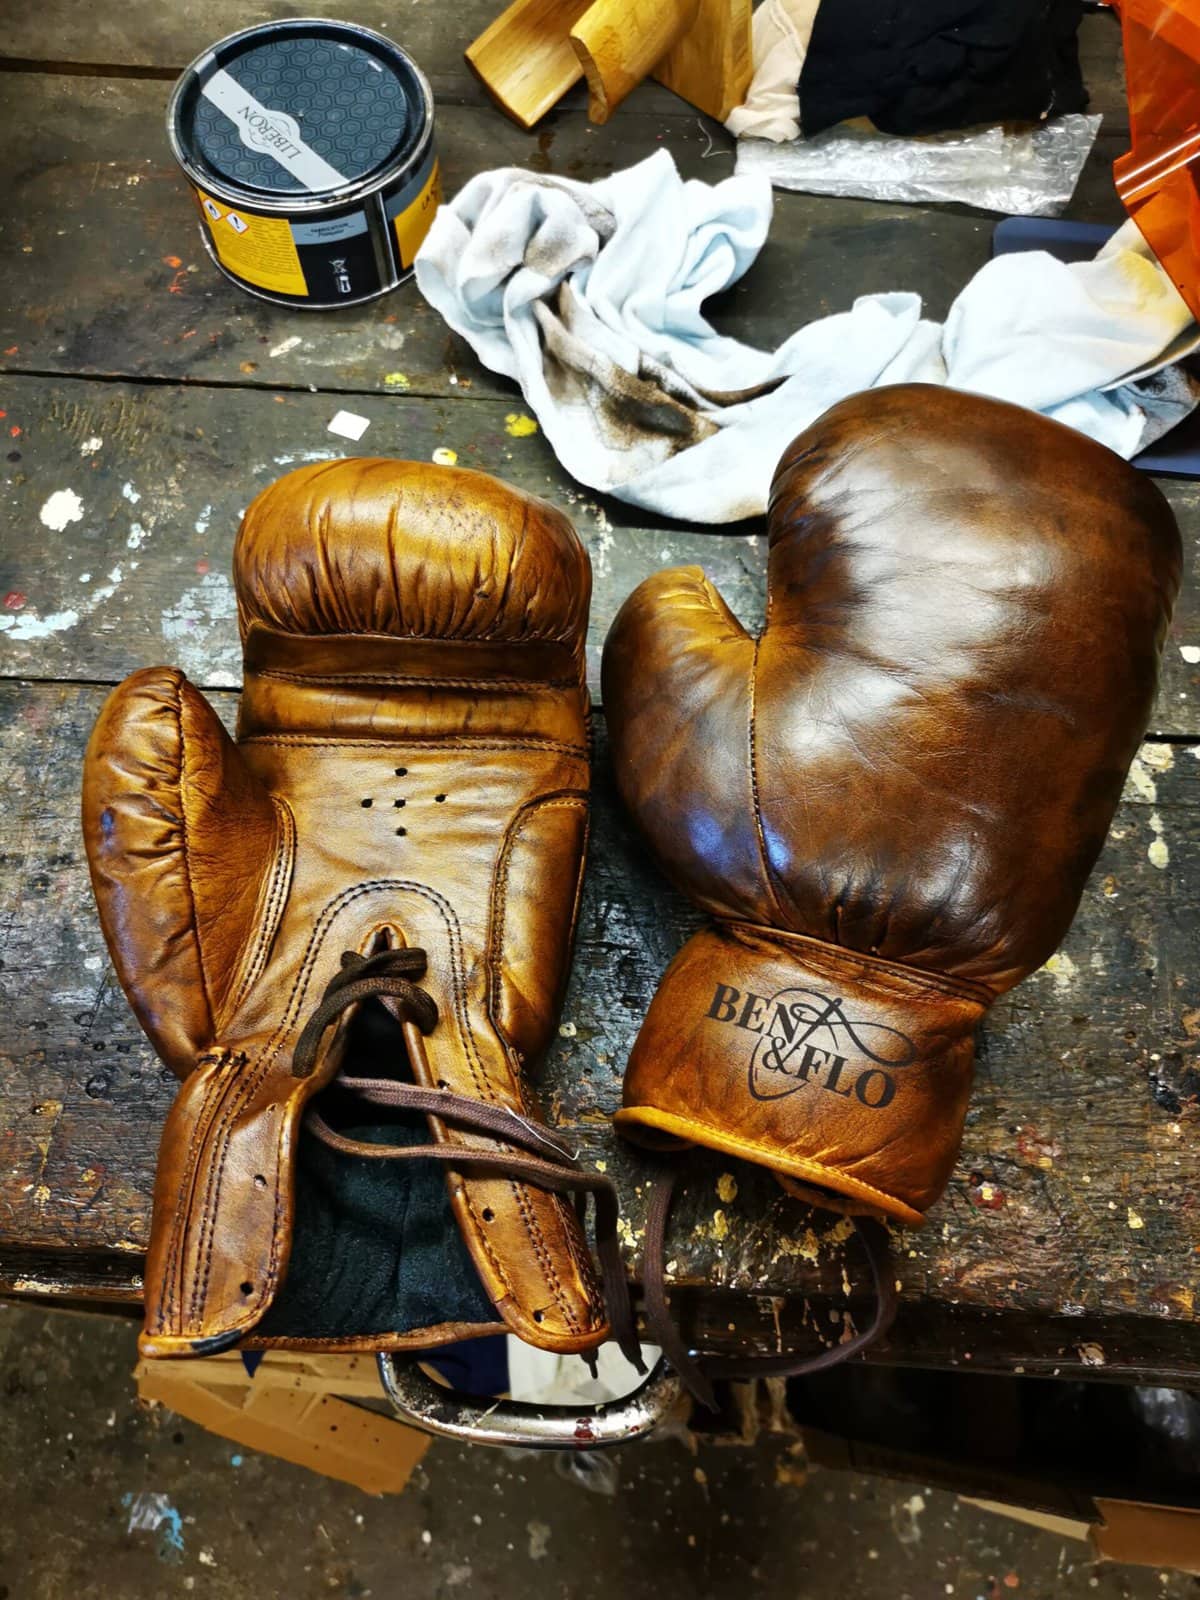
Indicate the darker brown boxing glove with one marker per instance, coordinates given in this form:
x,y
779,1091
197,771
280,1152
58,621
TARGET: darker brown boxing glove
x,y
890,800
348,931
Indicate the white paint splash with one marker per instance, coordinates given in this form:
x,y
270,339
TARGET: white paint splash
x,y
203,520
62,508
304,456
90,446
1190,653
1158,853
200,630
906,1519
539,1539
28,626
285,346
1150,760
137,536
129,493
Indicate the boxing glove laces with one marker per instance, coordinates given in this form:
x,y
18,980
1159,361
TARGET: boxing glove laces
x,y
889,800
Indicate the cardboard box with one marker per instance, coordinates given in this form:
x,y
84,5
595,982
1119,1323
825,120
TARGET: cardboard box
x,y
296,1407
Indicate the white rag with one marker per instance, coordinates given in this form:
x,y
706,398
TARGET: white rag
x,y
590,297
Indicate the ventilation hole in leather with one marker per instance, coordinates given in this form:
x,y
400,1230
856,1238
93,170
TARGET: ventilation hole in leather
x,y
398,803
259,1181
488,1214
402,772
442,1084
539,1316
400,832
367,804
247,1288
439,798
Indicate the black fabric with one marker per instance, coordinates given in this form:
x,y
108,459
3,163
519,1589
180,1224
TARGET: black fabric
x,y
941,64
375,1247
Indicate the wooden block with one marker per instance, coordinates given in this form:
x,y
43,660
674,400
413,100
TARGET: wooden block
x,y
310,1429
537,49
620,42
711,63
525,60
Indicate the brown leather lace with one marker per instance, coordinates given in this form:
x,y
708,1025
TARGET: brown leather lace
x,y
699,1370
545,1162
542,1159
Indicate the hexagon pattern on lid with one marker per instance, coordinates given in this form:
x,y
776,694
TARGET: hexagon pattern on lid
x,y
351,107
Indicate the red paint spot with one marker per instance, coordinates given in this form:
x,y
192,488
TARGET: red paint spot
x,y
190,334
3,413
177,282
202,567
12,349
173,261
14,432
14,600
987,1196
279,400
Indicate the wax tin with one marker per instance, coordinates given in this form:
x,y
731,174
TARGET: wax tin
x,y
309,147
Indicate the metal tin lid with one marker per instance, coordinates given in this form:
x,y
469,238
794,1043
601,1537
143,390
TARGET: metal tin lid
x,y
299,109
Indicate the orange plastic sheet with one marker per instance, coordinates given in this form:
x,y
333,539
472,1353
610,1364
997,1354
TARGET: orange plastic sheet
x,y
1159,180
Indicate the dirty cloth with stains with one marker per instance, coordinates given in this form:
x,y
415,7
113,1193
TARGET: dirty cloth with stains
x,y
590,297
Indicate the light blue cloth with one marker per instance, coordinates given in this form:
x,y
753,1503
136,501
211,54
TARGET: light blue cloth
x,y
590,297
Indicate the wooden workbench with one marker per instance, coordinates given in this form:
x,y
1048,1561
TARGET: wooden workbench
x,y
138,378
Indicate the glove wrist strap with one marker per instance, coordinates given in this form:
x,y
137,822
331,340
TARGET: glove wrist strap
x,y
838,1071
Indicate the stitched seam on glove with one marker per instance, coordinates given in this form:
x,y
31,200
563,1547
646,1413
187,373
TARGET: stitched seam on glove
x,y
279,882
251,1080
759,834
419,680
435,742
560,801
183,786
762,1155
879,967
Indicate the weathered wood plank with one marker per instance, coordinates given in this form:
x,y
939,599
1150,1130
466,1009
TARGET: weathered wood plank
x,y
141,34
162,475
106,273
1074,1200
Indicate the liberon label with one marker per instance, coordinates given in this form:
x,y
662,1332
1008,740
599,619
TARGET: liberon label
x,y
271,131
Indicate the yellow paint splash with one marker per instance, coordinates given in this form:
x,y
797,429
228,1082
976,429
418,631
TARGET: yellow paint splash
x,y
1134,1220
445,457
396,380
727,1187
518,426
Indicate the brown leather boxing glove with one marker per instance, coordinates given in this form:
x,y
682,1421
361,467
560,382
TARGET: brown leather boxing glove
x,y
890,800
349,930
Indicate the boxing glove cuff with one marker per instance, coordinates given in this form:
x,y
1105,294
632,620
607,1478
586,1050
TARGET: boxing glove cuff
x,y
809,1059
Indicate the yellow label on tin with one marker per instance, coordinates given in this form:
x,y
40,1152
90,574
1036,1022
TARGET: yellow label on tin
x,y
412,224
259,249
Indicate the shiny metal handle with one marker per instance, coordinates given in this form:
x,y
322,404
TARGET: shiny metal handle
x,y
473,1419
